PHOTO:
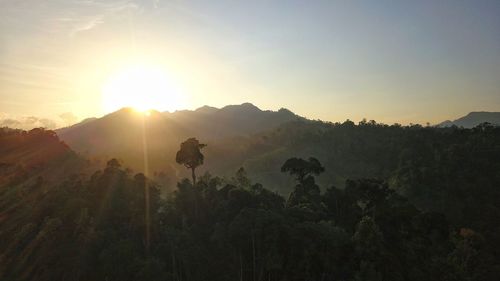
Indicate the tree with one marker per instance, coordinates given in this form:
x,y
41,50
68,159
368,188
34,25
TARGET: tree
x,y
302,168
190,155
369,249
113,164
306,191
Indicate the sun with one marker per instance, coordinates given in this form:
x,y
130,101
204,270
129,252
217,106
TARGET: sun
x,y
141,87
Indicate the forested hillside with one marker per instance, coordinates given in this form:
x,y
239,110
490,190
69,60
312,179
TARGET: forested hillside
x,y
38,152
260,141
420,162
429,213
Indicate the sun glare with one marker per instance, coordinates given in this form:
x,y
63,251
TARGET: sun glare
x,y
142,88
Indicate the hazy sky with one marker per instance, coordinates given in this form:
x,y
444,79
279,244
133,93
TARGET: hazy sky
x,y
392,61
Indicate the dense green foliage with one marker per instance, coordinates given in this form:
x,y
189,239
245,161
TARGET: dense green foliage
x,y
453,171
431,213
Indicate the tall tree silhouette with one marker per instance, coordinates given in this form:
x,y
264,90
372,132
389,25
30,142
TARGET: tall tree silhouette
x,y
306,191
301,168
190,155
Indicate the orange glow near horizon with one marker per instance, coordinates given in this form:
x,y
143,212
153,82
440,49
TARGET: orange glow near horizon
x,y
141,87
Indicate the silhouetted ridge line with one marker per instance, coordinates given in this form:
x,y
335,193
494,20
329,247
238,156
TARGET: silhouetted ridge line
x,y
473,119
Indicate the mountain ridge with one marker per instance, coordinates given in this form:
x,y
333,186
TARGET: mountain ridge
x,y
473,119
126,133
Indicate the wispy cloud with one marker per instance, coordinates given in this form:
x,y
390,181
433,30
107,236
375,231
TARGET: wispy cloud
x,y
55,16
87,25
95,13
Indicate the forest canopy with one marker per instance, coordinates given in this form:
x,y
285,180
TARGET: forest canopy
x,y
434,218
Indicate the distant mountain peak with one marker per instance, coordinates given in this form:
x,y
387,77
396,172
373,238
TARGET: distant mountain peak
x,y
285,110
244,107
124,110
476,113
206,109
120,133
248,104
473,119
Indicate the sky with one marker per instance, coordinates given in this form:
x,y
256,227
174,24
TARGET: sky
x,y
391,61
